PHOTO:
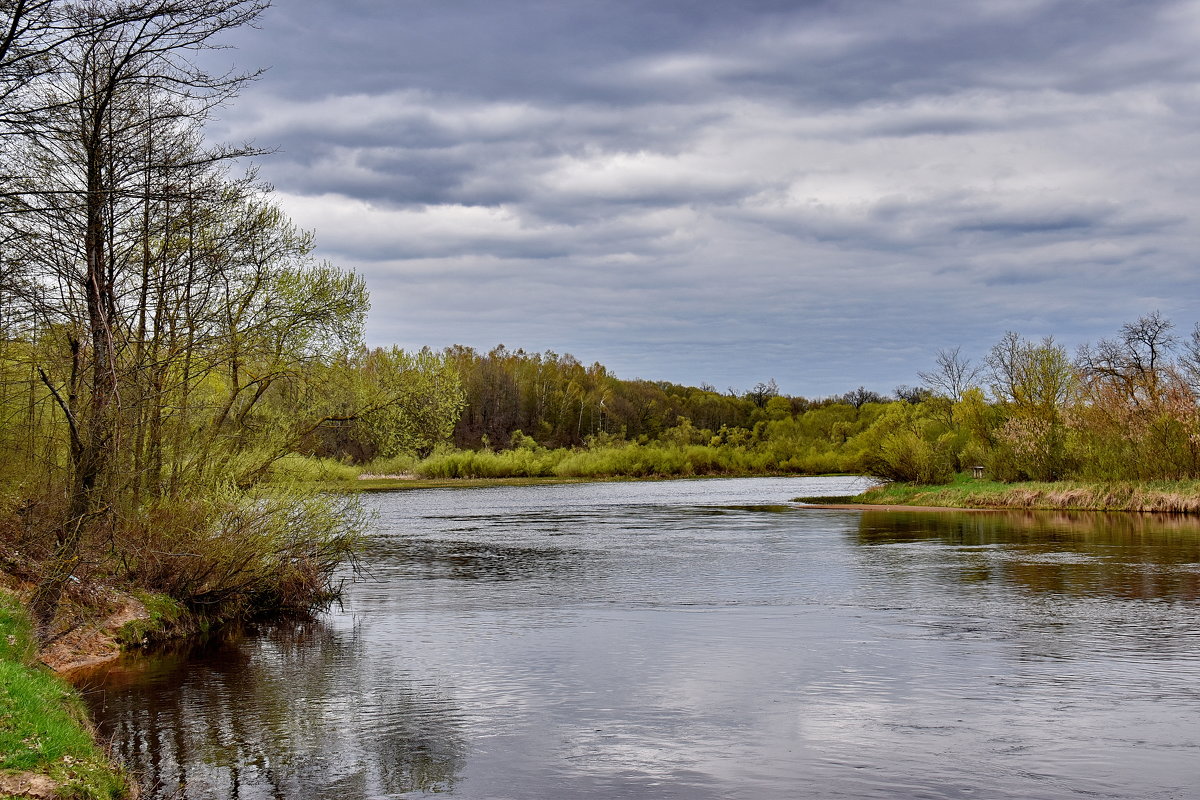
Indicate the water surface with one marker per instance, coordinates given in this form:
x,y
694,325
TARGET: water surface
x,y
700,639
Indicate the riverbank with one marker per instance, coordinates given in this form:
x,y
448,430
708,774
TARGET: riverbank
x,y
1171,497
388,483
373,483
47,749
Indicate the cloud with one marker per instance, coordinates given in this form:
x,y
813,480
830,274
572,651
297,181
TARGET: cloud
x,y
822,192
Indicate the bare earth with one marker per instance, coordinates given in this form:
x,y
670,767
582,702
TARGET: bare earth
x,y
27,784
92,641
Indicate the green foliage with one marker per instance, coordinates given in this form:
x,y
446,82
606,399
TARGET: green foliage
x,y
164,615
967,492
519,441
561,402
518,463
417,401
234,554
294,468
909,443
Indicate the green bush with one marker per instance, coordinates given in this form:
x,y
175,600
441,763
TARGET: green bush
x,y
236,554
906,457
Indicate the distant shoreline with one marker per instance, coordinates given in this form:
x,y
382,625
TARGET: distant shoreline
x,y
968,494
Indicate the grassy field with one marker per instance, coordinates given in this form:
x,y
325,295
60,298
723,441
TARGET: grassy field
x,y
44,733
1181,497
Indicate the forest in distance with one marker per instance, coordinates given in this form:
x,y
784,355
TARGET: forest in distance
x,y
1122,409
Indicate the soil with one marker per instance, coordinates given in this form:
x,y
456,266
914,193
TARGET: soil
x,y
27,784
90,637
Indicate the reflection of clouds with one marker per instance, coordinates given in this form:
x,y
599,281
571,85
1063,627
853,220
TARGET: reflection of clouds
x,y
693,640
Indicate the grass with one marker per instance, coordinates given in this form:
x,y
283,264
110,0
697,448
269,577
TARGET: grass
x,y
461,468
1182,497
43,724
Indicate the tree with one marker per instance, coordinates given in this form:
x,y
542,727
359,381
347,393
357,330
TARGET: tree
x,y
1139,415
418,400
1189,361
1031,376
1138,363
952,375
122,75
762,392
861,396
1033,382
911,394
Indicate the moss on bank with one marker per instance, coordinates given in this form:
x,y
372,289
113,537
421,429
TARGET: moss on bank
x,y
46,742
1180,497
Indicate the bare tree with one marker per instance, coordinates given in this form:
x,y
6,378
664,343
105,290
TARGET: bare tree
x,y
1189,360
1137,363
952,375
861,396
911,394
762,392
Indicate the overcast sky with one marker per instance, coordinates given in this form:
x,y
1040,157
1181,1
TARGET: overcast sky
x,y
723,192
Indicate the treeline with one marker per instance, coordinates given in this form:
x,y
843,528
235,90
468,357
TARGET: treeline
x,y
511,413
1124,408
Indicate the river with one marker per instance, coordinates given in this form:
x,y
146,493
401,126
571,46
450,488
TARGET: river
x,y
698,639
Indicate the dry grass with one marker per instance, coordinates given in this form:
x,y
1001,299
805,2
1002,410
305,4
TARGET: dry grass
x,y
1172,497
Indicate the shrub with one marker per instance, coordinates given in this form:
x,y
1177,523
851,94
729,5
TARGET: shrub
x,y
236,555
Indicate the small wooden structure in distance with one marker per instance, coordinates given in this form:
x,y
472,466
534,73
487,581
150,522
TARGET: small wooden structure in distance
x,y
976,472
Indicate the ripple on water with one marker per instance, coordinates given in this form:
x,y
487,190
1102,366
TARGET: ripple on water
x,y
701,639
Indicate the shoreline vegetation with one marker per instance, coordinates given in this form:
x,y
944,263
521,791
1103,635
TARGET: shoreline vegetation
x,y
963,492
1163,497
47,744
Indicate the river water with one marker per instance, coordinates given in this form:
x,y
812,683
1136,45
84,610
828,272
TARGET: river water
x,y
699,639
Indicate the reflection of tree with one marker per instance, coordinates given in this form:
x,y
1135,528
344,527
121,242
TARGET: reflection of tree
x,y
292,713
473,560
1134,556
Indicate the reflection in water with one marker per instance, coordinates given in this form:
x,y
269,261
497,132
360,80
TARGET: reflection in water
x,y
700,639
275,715
1134,556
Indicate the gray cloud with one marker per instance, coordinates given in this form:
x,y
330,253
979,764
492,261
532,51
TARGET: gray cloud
x,y
823,192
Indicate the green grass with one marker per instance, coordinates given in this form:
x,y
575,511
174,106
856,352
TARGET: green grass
x,y
460,468
965,492
43,724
